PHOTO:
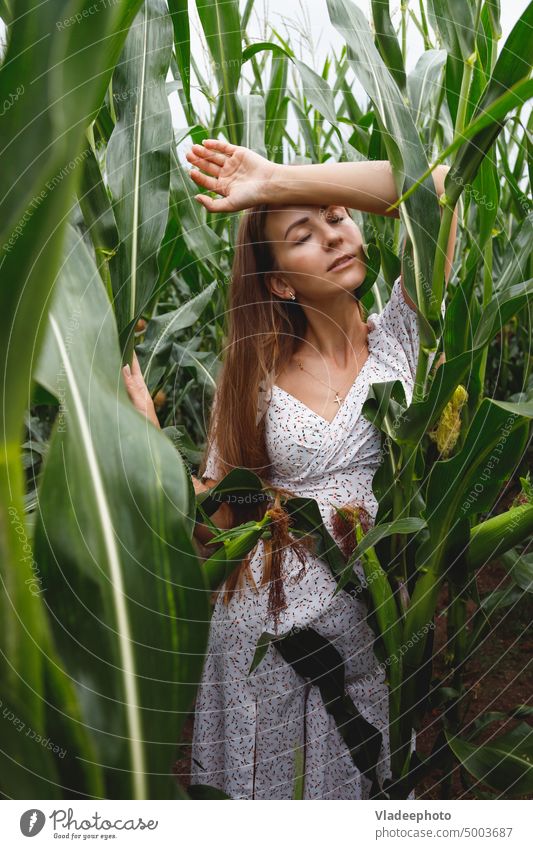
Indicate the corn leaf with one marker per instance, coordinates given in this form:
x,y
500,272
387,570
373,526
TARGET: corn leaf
x,y
112,537
138,163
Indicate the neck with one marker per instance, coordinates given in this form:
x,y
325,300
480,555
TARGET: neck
x,y
335,329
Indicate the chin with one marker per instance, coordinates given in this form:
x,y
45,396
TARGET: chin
x,y
354,281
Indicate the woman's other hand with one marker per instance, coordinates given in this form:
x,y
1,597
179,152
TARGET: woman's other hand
x,y
199,486
222,518
138,391
241,176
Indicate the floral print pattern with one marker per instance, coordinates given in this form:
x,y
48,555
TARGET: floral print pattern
x,y
251,731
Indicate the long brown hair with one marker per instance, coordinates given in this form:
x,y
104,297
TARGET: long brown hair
x,y
262,333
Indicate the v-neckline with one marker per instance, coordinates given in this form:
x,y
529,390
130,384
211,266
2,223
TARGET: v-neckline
x,y
329,422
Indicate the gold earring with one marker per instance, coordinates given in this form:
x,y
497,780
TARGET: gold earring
x,y
292,296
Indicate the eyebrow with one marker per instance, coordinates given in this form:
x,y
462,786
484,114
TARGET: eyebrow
x,y
299,221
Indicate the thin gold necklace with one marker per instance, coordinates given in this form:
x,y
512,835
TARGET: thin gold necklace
x,y
338,398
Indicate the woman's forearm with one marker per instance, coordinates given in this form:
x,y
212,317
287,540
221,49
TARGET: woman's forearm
x,y
367,186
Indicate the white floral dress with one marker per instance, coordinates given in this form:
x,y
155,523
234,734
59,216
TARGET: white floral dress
x,y
249,728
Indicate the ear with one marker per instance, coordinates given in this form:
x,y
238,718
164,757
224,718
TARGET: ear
x,y
277,285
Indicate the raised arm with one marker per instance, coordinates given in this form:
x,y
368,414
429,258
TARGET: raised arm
x,y
243,178
367,186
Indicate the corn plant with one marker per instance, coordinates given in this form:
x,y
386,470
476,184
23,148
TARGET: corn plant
x,y
97,652
105,602
429,525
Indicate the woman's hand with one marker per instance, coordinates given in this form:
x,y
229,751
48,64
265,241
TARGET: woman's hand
x,y
138,390
237,173
198,485
222,518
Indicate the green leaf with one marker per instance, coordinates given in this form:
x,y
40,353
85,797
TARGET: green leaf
x,y
98,216
387,41
122,579
458,488
520,566
462,312
317,92
409,525
486,191
204,363
202,241
260,46
221,23
412,423
483,131
27,767
505,763
508,302
261,648
205,792
138,163
42,150
516,258
404,150
424,82
276,107
468,483
163,330
179,13
454,24
307,519
253,110
236,484
454,21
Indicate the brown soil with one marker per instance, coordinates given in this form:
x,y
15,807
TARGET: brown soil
x,y
498,677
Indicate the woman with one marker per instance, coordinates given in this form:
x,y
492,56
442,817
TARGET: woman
x,y
298,362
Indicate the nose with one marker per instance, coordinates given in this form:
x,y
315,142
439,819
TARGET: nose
x,y
333,238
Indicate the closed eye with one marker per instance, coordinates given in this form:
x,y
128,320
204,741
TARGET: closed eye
x,y
334,220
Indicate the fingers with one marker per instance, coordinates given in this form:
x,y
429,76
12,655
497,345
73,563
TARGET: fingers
x,y
133,377
127,376
214,204
135,367
208,155
222,146
203,180
206,164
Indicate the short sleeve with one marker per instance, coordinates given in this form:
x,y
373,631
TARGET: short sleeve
x,y
213,468
399,322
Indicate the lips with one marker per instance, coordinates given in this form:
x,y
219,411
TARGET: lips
x,y
340,260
